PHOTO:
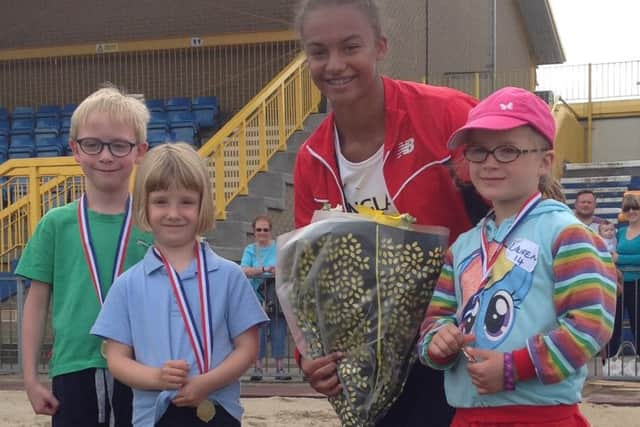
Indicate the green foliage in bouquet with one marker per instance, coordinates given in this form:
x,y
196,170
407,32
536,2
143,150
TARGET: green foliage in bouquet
x,y
362,288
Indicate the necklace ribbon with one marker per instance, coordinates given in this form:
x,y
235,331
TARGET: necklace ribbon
x,y
202,345
487,264
89,250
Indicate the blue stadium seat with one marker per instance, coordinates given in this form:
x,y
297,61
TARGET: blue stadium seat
x,y
158,120
155,105
22,113
178,103
64,137
182,118
48,112
47,128
207,111
22,127
21,146
4,114
68,109
65,124
50,147
48,124
183,124
185,134
4,148
5,127
159,136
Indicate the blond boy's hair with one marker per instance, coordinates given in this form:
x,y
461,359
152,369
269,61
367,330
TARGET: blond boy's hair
x,y
173,166
120,107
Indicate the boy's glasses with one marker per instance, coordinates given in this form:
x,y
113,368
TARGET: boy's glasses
x,y
630,208
262,230
502,153
94,146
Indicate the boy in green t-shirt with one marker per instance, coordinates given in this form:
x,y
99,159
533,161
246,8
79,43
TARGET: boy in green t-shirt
x,y
73,256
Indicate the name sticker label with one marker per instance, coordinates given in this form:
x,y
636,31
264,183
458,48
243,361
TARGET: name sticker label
x,y
523,253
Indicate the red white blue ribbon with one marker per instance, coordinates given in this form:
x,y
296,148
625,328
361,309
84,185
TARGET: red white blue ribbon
x,y
201,340
89,251
487,264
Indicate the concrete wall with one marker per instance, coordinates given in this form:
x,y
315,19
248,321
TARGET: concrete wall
x,y
616,139
460,43
404,23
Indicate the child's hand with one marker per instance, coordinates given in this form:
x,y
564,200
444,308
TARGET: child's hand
x,y
173,374
487,373
42,399
449,340
192,393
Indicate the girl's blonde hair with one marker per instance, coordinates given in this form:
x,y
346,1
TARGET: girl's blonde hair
x,y
170,166
367,7
118,105
551,188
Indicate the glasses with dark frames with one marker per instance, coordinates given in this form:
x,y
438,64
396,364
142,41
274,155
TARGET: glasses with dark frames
x,y
260,230
502,153
94,146
630,208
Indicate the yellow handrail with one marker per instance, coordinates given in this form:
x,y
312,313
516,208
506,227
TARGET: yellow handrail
x,y
244,144
235,154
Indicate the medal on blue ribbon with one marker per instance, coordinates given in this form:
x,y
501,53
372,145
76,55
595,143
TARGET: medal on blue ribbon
x,y
200,340
89,251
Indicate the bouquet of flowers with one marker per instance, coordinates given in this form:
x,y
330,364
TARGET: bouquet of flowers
x,y
360,284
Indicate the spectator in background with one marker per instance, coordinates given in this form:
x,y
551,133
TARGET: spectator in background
x,y
628,262
585,207
259,265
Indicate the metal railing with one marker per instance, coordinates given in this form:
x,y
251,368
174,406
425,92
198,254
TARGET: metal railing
x,y
232,71
595,82
482,83
240,150
620,359
236,153
574,83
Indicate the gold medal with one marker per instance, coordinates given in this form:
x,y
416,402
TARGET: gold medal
x,y
206,411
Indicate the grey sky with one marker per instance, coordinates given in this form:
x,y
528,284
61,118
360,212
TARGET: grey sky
x,y
598,30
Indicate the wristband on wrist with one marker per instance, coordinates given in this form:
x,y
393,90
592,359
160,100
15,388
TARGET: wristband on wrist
x,y
509,382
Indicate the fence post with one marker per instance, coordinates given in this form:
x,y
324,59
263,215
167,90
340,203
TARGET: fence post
x,y
589,115
19,309
242,159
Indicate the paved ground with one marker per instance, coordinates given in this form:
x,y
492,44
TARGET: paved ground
x,y
619,393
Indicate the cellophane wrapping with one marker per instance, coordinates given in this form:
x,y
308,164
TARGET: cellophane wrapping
x,y
351,284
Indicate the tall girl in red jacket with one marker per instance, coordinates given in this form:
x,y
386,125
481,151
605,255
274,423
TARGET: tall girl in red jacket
x,y
383,146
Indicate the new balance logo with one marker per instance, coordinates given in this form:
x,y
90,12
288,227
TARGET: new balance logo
x,y
505,107
405,147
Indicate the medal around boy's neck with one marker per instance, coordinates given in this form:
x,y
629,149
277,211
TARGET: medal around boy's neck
x,y
105,202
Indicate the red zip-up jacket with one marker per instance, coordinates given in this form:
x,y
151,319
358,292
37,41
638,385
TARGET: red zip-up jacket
x,y
418,122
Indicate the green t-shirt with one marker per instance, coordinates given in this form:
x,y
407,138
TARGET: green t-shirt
x,y
54,255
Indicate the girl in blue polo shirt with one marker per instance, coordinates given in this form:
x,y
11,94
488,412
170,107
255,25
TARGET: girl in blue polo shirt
x,y
181,326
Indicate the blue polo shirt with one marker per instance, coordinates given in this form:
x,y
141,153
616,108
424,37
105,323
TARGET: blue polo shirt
x,y
140,311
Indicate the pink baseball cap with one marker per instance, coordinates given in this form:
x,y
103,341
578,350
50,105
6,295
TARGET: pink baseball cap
x,y
506,109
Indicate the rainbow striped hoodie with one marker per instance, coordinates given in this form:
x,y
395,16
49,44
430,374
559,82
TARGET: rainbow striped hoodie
x,y
552,291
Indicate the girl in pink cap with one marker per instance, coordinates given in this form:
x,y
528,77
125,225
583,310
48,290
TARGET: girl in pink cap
x,y
527,297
